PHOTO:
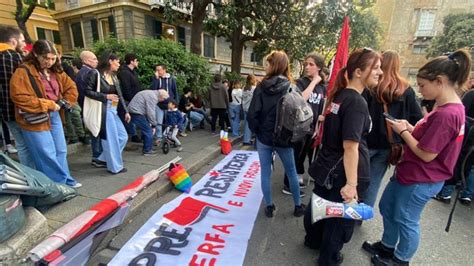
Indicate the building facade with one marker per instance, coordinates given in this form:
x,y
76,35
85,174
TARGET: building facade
x,y
410,25
83,22
40,25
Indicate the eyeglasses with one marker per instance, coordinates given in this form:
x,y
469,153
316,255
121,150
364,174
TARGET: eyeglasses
x,y
365,50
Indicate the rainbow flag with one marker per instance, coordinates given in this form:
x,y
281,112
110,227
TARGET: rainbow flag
x,y
180,178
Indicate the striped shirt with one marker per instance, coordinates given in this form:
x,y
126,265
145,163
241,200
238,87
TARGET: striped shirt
x,y
9,61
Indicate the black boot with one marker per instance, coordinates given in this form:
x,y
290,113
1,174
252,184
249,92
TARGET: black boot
x,y
393,261
377,248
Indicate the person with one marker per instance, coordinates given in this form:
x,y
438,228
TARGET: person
x,y
313,90
468,192
430,152
163,80
228,88
130,85
394,94
218,102
195,117
89,63
45,140
247,95
174,119
112,134
11,41
235,107
76,64
262,118
341,170
142,110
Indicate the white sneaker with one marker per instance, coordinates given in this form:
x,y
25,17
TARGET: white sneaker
x,y
11,149
77,185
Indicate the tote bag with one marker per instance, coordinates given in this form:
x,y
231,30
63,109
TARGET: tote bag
x,y
93,112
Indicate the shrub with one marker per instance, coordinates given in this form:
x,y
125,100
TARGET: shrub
x,y
189,69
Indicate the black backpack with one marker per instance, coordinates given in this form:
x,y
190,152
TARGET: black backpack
x,y
463,165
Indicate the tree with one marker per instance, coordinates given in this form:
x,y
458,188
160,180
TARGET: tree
x,y
24,9
458,32
198,15
265,21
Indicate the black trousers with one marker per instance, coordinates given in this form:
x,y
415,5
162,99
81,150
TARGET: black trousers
x,y
218,113
329,235
301,150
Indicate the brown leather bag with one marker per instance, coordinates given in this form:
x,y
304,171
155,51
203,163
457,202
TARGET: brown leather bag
x,y
396,149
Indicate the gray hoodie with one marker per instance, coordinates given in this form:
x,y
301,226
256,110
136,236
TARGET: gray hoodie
x,y
145,103
218,97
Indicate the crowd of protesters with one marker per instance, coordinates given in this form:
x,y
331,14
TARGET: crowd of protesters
x,y
370,119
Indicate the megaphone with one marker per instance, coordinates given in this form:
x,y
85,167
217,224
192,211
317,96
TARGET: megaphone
x,y
323,209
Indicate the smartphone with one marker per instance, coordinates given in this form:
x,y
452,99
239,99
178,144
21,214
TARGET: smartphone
x,y
389,117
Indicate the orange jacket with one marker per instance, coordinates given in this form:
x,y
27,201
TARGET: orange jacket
x,y
24,96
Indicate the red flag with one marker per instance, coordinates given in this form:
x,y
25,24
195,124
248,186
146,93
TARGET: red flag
x,y
340,61
342,53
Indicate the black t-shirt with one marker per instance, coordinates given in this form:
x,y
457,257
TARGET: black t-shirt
x,y
347,118
468,102
316,100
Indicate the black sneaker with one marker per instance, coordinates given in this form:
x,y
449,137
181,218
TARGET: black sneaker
x,y
286,190
392,261
465,200
377,248
299,210
444,199
124,170
150,153
269,210
339,258
99,163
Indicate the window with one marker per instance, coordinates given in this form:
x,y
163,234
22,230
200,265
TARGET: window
x,y
153,27
182,36
108,27
209,43
426,24
95,30
77,38
419,49
50,35
72,3
128,24
98,1
257,59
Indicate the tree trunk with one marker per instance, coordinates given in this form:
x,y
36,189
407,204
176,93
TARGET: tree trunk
x,y
199,14
21,18
237,46
22,26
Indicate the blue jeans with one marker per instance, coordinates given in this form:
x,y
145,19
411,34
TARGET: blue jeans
x,y
234,113
195,118
401,207
147,133
160,116
49,151
24,154
265,154
468,191
96,146
378,167
247,132
116,140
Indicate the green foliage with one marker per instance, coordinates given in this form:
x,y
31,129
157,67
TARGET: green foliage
x,y
233,77
190,70
458,32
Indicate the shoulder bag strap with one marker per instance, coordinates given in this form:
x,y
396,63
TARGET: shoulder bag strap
x,y
389,128
33,82
98,80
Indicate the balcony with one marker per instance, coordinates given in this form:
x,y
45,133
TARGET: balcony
x,y
424,33
181,6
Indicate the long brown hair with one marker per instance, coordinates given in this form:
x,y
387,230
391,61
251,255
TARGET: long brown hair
x,y
358,59
278,64
42,48
251,81
456,67
392,85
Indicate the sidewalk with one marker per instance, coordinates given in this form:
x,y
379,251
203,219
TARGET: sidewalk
x,y
199,147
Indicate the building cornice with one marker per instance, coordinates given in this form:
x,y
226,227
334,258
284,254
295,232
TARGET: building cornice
x,y
94,8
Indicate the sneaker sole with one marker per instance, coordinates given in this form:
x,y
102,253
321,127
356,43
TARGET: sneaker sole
x,y
286,192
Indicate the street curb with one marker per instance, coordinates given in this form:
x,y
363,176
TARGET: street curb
x,y
151,193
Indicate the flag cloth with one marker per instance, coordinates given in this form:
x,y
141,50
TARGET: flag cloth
x,y
180,177
342,53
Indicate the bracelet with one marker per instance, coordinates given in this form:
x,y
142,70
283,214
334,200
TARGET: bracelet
x,y
401,132
352,185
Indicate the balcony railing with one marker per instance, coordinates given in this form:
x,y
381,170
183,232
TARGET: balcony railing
x,y
424,33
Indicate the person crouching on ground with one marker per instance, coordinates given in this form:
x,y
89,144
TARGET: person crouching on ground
x,y
142,109
45,141
428,160
262,118
112,132
174,119
341,171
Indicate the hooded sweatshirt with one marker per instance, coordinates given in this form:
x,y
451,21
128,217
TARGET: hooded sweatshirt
x,y
262,112
218,97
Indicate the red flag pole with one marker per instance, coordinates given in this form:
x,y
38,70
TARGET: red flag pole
x,y
340,61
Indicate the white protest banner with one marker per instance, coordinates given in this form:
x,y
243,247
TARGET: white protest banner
x,y
209,226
